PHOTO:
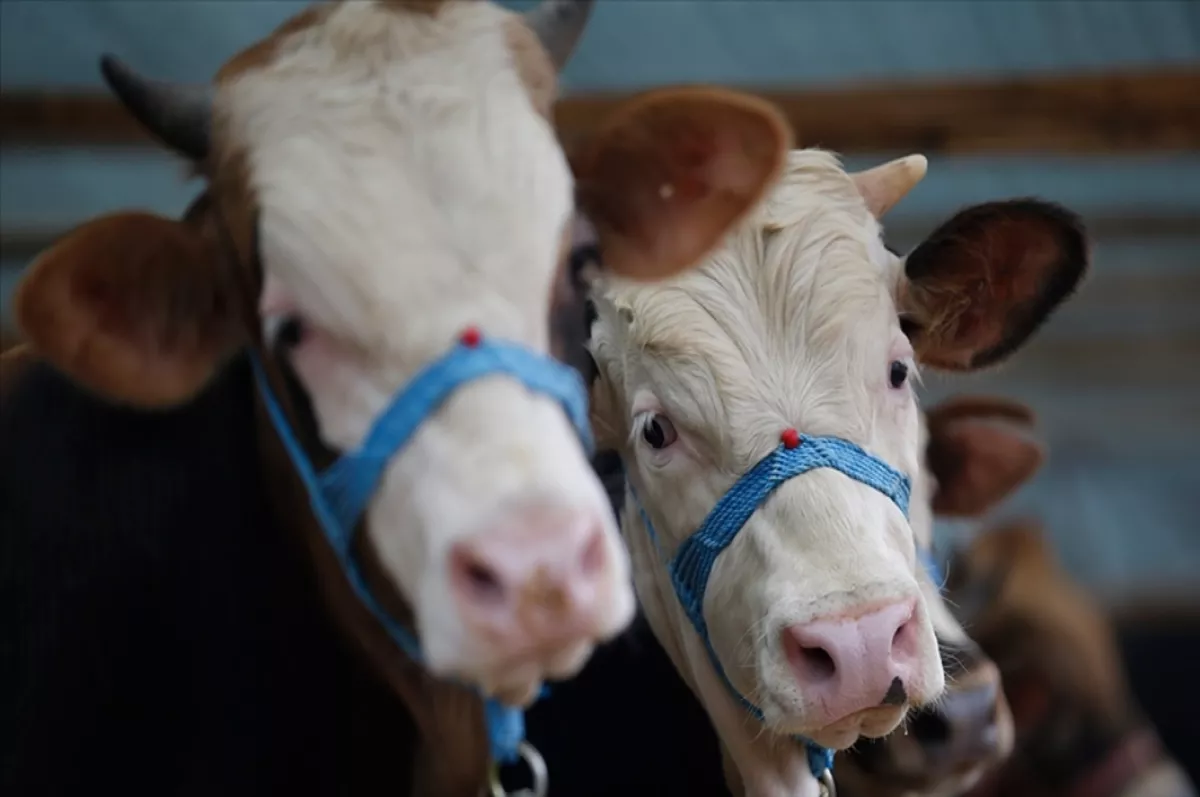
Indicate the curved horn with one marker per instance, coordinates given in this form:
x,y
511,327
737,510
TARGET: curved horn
x,y
178,115
558,25
885,185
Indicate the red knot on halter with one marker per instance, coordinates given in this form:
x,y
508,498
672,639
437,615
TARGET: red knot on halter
x,y
470,337
790,438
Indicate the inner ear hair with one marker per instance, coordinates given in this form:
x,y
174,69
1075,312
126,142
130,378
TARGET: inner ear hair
x,y
983,283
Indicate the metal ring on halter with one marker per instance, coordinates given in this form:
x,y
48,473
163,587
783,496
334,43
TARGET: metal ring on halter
x,y
537,767
828,789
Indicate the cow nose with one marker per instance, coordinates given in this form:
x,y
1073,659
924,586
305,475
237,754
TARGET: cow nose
x,y
533,583
845,665
961,732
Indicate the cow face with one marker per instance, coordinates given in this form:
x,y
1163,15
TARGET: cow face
x,y
978,449
383,175
815,609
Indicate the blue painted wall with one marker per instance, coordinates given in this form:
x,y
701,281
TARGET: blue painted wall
x,y
1121,491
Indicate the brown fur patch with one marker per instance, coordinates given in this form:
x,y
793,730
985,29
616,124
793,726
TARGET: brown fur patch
x,y
984,282
1059,662
1065,640
673,170
131,306
533,65
430,7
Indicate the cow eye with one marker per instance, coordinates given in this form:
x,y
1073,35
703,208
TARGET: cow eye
x,y
658,432
291,332
897,373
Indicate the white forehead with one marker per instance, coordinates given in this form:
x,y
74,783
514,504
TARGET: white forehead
x,y
400,165
794,302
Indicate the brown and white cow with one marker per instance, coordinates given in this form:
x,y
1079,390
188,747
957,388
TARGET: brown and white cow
x,y
380,176
803,320
1079,730
978,450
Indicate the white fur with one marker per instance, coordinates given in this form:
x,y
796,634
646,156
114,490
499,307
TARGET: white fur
x,y
408,188
793,322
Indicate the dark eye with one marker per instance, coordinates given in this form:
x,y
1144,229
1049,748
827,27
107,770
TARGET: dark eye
x,y
658,432
291,332
897,373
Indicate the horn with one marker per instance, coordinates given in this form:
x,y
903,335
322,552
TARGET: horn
x,y
558,25
178,115
883,186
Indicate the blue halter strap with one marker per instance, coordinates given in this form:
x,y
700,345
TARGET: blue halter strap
x,y
340,494
693,562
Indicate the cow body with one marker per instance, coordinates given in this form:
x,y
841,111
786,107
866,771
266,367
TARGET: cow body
x,y
1079,730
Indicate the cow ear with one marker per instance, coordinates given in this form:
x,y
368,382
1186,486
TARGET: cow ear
x,y
983,283
979,452
673,171
130,306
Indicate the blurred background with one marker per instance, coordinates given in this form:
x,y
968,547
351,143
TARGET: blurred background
x,y
1095,105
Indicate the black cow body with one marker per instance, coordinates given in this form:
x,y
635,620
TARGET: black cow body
x,y
160,635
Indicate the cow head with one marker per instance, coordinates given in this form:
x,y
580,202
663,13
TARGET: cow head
x,y
978,450
380,177
1079,731
814,611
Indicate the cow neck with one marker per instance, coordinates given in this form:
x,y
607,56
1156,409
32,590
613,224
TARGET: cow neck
x,y
692,564
339,494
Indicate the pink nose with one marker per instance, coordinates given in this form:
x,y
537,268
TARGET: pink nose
x,y
534,583
844,666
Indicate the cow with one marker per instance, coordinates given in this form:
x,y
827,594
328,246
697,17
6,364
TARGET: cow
x,y
386,205
978,450
1079,731
763,406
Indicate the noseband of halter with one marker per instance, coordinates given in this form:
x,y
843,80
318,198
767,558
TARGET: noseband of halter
x,y
692,564
340,495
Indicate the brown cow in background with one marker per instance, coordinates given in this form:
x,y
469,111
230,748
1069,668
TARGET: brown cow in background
x,y
1079,730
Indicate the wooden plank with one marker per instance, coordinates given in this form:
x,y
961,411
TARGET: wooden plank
x,y
1156,110
24,244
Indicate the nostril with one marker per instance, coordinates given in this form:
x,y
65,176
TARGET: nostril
x,y
930,727
816,662
475,579
904,641
591,563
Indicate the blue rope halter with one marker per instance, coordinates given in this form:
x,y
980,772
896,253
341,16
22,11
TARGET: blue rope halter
x,y
692,564
340,494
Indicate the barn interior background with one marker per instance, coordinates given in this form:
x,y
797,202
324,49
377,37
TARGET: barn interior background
x,y
1092,104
